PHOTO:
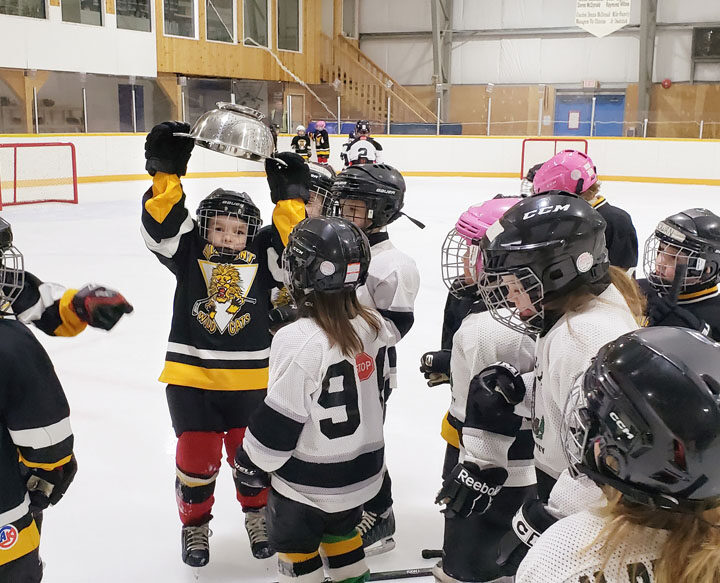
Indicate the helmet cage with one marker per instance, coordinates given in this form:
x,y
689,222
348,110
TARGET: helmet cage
x,y
674,253
495,293
251,219
12,276
320,203
526,188
461,263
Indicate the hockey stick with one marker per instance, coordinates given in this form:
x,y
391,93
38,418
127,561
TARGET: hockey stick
x,y
680,272
390,575
431,553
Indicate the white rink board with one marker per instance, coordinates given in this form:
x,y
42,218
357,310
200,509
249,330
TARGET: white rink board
x,y
122,155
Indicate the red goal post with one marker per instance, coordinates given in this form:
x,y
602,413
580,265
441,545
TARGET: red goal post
x,y
538,150
33,172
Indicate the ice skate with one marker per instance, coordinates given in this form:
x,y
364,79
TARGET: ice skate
x,y
257,533
195,545
377,532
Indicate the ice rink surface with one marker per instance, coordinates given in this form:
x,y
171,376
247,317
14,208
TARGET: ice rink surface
x,y
118,523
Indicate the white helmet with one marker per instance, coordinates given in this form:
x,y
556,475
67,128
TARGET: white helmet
x,y
300,128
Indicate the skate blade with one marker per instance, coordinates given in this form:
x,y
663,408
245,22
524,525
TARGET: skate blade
x,y
381,547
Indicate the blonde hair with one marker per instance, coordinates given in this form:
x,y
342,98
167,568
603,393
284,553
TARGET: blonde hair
x,y
591,192
580,298
333,312
691,552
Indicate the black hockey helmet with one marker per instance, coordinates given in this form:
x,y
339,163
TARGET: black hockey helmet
x,y
645,420
228,203
362,128
322,177
325,254
541,249
12,268
379,186
691,237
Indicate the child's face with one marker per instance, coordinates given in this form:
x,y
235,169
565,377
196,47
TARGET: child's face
x,y
314,205
355,211
301,132
227,232
517,296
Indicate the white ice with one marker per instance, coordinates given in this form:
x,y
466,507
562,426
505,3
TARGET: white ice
x,y
119,522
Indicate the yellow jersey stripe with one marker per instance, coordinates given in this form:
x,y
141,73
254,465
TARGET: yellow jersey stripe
x,y
167,191
71,324
449,433
698,294
286,215
28,539
49,467
214,379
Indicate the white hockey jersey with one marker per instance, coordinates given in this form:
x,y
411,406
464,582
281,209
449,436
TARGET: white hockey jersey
x,y
565,553
363,151
561,358
320,428
392,285
479,342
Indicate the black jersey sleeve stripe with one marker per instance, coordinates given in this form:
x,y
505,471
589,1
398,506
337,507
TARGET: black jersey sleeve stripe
x,y
333,475
48,455
403,320
274,430
523,446
213,363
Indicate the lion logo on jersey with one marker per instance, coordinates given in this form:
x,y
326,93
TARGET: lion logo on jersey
x,y
227,293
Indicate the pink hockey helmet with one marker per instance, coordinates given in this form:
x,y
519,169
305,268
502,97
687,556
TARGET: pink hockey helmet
x,y
569,171
461,259
320,125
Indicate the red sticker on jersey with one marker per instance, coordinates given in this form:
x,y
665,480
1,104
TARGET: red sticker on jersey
x,y
365,366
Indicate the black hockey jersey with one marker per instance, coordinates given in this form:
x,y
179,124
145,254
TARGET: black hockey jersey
x,y
620,235
48,306
34,428
301,145
219,337
703,304
322,142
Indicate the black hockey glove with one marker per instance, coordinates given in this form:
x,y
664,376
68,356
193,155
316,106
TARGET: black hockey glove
x,y
469,489
435,366
282,315
529,522
99,306
165,152
492,397
47,487
250,480
661,311
288,181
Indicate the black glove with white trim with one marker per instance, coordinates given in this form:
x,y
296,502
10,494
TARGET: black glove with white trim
x,y
435,366
468,489
529,522
250,480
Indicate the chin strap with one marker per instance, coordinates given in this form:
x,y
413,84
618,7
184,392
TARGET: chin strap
x,y
414,221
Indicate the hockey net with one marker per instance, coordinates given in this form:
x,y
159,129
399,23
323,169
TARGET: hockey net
x,y
37,172
539,150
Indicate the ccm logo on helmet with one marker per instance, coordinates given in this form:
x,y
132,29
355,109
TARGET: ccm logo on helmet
x,y
481,487
621,426
546,210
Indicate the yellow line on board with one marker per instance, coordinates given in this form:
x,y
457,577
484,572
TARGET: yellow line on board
x,y
126,177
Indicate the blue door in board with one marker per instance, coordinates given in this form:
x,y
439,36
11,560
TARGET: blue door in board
x,y
609,115
572,115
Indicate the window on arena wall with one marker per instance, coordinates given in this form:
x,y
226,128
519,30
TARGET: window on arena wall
x,y
288,25
179,18
82,11
31,8
133,14
255,22
349,18
220,19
